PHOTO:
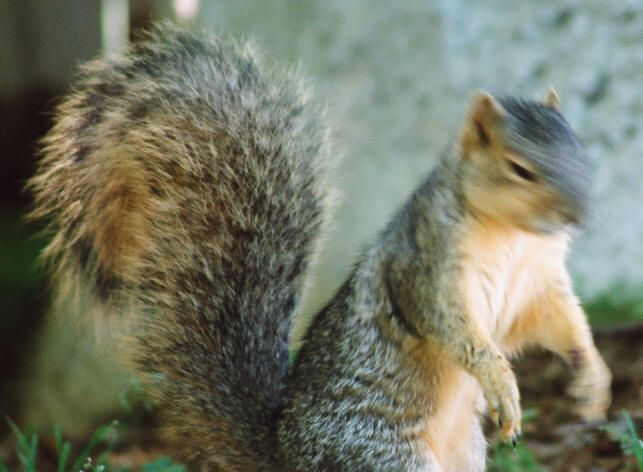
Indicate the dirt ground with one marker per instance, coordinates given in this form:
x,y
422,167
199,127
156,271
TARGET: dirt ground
x,y
554,436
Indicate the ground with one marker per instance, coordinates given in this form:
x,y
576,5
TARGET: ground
x,y
553,435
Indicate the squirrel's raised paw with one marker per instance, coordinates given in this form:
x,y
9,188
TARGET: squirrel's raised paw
x,y
591,389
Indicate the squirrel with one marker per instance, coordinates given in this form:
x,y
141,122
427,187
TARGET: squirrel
x,y
186,185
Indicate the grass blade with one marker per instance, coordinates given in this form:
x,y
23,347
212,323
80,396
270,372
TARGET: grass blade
x,y
96,438
58,436
636,442
62,448
33,450
26,448
64,457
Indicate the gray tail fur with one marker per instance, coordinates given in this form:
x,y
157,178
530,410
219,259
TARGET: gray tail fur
x,y
184,188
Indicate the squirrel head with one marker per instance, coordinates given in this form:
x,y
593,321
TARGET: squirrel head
x,y
521,164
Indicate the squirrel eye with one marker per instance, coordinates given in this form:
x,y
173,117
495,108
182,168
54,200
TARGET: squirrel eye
x,y
522,172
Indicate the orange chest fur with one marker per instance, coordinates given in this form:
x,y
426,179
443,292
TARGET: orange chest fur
x,y
503,274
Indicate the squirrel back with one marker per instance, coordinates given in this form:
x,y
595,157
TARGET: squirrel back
x,y
184,186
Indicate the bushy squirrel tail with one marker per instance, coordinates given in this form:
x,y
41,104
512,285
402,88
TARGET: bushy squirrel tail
x,y
184,186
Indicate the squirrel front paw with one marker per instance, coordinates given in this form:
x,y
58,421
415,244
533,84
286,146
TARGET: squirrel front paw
x,y
591,388
503,401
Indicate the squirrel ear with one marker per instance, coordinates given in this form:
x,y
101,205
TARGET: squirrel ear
x,y
483,104
552,100
483,114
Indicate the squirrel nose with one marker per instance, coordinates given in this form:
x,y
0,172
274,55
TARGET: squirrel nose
x,y
574,214
574,219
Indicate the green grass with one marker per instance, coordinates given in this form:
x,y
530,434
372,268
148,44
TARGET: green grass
x,y
101,444
629,440
506,458
619,304
634,446
26,448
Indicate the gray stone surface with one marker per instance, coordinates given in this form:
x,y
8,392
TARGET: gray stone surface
x,y
396,76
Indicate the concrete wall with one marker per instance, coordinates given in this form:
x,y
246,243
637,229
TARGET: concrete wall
x,y
396,76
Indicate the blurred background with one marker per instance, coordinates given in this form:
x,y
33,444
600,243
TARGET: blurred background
x,y
395,76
